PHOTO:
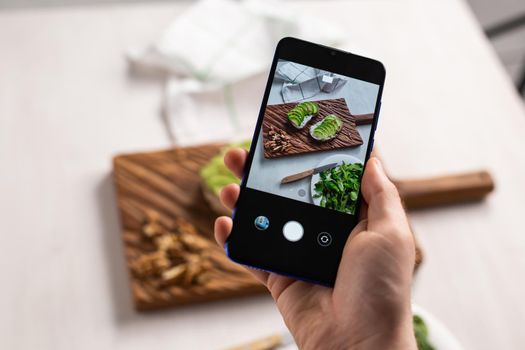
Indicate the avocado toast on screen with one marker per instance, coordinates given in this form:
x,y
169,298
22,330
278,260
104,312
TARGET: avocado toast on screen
x,y
327,128
302,113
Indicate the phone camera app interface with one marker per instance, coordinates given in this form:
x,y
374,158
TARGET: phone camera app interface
x,y
314,137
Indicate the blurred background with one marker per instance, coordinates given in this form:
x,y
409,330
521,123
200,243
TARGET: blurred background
x,y
114,116
503,21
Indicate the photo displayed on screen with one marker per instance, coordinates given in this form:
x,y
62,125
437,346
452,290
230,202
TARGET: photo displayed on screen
x,y
313,141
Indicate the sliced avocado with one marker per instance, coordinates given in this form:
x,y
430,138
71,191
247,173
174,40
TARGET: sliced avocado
x,y
336,120
322,131
308,107
316,107
312,107
295,119
301,109
215,174
295,113
328,127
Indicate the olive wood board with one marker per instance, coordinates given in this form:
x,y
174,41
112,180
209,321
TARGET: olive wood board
x,y
168,183
301,142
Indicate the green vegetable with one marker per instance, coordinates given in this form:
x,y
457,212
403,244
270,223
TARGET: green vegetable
x,y
327,128
302,113
215,174
421,333
338,187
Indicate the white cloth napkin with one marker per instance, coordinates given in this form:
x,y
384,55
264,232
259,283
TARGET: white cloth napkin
x,y
211,53
302,82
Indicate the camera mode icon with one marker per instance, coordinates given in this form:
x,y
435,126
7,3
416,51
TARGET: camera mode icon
x,y
324,239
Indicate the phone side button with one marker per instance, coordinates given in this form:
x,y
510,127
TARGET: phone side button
x,y
378,114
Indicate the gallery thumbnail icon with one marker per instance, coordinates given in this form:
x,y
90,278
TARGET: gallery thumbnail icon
x,y
262,223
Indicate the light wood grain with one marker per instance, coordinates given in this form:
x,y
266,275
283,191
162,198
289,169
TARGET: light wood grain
x,y
446,189
168,183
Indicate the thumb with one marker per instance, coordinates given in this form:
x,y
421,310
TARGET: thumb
x,y
385,211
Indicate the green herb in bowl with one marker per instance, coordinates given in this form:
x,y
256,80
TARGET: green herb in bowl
x,y
338,187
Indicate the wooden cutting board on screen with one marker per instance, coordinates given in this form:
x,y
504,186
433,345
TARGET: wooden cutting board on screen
x,y
275,117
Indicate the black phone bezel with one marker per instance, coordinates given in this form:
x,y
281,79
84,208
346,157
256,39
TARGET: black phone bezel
x,y
328,59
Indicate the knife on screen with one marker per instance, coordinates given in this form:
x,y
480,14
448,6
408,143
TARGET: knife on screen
x,y
306,173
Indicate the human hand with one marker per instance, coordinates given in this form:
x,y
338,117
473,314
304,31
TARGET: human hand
x,y
369,306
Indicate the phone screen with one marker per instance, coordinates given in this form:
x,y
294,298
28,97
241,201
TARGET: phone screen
x,y
300,194
314,137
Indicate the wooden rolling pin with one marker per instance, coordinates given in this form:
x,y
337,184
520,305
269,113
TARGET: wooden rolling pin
x,y
443,190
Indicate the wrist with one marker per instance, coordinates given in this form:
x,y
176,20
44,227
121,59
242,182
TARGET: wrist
x,y
393,337
396,339
382,335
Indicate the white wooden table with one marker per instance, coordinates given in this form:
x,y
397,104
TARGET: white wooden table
x,y
67,105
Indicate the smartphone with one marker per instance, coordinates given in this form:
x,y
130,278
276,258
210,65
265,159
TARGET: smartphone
x,y
300,194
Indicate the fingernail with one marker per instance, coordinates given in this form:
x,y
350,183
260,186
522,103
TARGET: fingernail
x,y
378,162
379,166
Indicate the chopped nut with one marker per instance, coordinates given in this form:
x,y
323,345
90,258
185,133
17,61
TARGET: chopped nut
x,y
183,226
195,242
203,278
153,229
192,271
167,243
150,264
206,264
277,141
181,256
174,274
191,258
152,216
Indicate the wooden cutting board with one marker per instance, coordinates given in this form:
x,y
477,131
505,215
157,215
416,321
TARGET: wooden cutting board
x,y
165,185
162,188
301,142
